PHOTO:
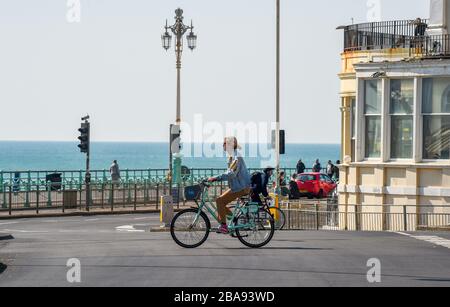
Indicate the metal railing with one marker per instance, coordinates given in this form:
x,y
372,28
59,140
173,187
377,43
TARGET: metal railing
x,y
110,196
395,34
31,180
366,218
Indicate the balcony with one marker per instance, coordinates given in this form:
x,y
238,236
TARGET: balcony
x,y
404,34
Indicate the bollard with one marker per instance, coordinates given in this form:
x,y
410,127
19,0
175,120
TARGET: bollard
x,y
405,219
135,196
37,199
49,194
157,195
10,199
111,195
4,203
317,217
166,213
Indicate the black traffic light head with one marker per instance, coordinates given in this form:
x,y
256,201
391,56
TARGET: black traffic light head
x,y
282,141
84,137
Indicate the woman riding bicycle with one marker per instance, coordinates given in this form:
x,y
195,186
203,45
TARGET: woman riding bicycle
x,y
238,178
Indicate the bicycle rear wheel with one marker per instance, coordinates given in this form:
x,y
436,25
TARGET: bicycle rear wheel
x,y
279,217
189,232
260,233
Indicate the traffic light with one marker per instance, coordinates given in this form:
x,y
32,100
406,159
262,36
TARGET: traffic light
x,y
282,141
84,137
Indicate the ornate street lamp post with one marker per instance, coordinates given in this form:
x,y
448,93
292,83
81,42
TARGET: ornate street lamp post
x,y
178,29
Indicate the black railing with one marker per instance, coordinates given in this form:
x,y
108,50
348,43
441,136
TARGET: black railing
x,y
435,46
382,35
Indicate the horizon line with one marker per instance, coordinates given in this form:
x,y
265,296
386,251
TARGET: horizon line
x,y
157,142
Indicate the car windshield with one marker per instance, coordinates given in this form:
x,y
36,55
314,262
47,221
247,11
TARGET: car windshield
x,y
307,178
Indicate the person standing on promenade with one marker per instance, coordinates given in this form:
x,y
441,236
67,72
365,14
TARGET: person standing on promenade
x,y
294,192
238,178
330,169
317,167
300,167
336,171
114,170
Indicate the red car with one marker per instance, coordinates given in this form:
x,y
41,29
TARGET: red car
x,y
315,185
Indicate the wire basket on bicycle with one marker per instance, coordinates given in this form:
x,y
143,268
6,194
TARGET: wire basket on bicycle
x,y
193,193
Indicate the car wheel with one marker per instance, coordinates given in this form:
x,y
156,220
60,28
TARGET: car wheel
x,y
320,195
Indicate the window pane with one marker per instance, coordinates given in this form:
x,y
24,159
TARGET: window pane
x,y
401,137
372,97
436,137
402,96
436,95
373,137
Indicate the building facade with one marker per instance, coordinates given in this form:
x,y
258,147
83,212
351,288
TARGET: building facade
x,y
395,104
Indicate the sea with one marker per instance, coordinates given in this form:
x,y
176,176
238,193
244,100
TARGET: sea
x,y
63,156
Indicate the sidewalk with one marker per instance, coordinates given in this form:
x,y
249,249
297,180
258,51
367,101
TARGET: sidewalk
x,y
4,215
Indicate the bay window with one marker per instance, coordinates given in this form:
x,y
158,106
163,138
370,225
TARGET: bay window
x,y
401,114
436,118
372,114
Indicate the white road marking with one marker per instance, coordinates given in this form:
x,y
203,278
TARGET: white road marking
x,y
9,223
128,228
92,220
141,218
23,231
430,239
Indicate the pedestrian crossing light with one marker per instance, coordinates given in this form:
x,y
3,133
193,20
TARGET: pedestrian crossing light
x,y
84,137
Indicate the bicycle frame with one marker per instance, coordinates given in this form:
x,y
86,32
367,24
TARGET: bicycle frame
x,y
205,203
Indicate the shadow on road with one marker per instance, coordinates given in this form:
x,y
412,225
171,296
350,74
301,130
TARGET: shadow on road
x,y
271,248
3,268
8,237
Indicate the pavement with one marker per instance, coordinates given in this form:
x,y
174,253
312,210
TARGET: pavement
x,y
121,251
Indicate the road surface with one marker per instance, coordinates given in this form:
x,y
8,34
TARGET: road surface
x,y
120,251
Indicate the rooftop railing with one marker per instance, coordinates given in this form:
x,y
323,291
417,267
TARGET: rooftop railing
x,y
408,34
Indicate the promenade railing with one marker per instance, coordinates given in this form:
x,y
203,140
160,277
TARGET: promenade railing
x,y
72,179
331,216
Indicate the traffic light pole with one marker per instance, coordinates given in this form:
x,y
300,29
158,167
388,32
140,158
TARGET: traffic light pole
x,y
88,170
85,147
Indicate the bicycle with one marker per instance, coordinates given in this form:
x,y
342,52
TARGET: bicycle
x,y
251,224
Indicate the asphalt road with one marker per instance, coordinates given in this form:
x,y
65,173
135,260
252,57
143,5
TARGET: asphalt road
x,y
120,251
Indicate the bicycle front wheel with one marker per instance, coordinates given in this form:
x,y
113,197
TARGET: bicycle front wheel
x,y
258,231
190,229
279,217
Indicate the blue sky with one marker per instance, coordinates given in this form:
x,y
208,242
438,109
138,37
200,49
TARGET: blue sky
x,y
112,66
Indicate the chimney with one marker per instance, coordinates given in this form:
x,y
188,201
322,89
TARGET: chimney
x,y
439,17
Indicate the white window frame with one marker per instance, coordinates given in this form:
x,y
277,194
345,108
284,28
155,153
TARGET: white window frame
x,y
361,119
388,120
422,115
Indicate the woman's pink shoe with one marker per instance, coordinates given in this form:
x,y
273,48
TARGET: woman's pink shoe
x,y
223,229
